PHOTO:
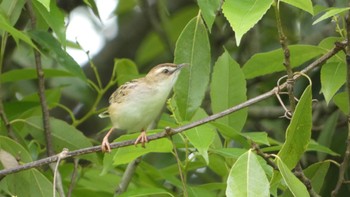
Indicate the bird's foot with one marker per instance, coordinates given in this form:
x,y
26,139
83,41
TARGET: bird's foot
x,y
105,145
142,138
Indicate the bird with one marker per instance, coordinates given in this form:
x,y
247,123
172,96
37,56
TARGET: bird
x,y
137,103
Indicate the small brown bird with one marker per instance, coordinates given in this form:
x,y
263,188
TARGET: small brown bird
x,y
136,104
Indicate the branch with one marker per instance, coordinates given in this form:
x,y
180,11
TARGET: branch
x,y
128,174
41,84
344,165
338,46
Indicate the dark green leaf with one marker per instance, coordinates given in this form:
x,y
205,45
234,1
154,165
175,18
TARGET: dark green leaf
x,y
228,88
342,101
272,61
192,47
243,15
92,5
333,76
317,173
48,42
327,132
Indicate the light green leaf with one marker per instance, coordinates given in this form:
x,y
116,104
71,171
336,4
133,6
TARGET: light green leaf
x,y
247,177
295,186
314,146
298,133
317,173
228,88
63,135
257,137
28,73
234,153
54,17
327,132
333,76
341,100
272,61
243,15
149,191
27,183
305,5
126,70
127,154
45,3
15,149
202,136
192,47
12,9
17,35
209,8
48,42
329,13
93,6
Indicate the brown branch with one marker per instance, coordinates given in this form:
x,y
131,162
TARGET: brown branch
x,y
74,177
41,84
344,165
128,174
83,151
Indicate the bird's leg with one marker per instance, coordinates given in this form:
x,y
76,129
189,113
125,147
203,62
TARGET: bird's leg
x,y
142,138
105,144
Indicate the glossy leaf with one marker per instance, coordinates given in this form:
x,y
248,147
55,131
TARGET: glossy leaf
x,y
201,136
228,88
247,177
127,154
48,42
341,100
192,47
243,15
63,135
28,73
209,8
333,76
16,34
330,13
272,61
54,17
305,5
294,184
298,133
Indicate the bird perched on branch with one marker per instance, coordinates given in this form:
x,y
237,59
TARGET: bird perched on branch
x,y
136,104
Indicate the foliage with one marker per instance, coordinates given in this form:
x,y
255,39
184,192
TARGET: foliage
x,y
234,53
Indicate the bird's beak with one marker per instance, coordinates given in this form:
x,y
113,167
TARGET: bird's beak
x,y
179,66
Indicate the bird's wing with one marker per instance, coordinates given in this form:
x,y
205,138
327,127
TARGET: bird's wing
x,y
120,94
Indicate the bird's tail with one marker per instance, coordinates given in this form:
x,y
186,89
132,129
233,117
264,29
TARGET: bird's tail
x,y
104,114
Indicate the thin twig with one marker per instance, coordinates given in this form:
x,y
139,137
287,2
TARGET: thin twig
x,y
74,177
83,151
344,165
127,176
41,84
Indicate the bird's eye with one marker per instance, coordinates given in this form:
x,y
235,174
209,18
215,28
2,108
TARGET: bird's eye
x,y
165,71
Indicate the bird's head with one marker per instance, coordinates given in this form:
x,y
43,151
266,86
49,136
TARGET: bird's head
x,y
165,73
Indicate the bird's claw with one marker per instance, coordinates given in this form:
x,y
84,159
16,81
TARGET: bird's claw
x,y
142,138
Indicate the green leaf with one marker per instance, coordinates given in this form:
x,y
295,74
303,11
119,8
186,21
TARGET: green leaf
x,y
317,174
28,73
229,132
54,17
192,47
257,137
12,9
63,135
247,177
126,70
341,100
146,192
209,8
124,6
93,6
314,146
333,76
327,132
127,154
298,133
228,88
295,186
272,61
201,136
305,5
48,42
45,3
52,97
27,183
234,153
243,15
330,13
15,149
17,35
